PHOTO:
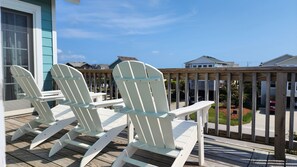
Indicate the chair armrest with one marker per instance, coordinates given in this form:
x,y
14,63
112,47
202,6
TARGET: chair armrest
x,y
191,109
22,95
97,96
51,98
51,92
118,107
107,103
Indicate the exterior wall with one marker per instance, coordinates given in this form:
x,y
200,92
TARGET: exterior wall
x,y
47,39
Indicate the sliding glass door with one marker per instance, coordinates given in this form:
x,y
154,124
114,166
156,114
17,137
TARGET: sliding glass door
x,y
17,48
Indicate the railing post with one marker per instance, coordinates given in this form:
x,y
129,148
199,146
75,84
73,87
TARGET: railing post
x,y
280,116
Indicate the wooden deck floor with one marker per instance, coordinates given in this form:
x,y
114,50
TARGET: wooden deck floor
x,y
218,151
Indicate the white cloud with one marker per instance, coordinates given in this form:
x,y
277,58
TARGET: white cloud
x,y
69,57
117,19
155,52
79,33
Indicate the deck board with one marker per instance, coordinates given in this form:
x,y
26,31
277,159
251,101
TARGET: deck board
x,y
217,152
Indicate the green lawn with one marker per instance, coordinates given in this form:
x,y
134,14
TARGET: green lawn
x,y
223,118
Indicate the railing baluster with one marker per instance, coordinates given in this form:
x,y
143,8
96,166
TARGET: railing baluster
x,y
169,90
240,112
105,82
267,109
110,84
116,91
292,109
95,82
187,89
254,105
196,91
187,93
196,94
91,82
217,102
177,91
100,82
228,121
206,98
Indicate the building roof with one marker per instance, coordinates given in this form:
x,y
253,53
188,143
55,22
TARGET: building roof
x,y
101,66
120,59
125,58
206,59
277,61
77,64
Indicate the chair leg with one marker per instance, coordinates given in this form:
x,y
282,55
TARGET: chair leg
x,y
181,159
100,144
128,152
61,142
51,130
23,130
200,139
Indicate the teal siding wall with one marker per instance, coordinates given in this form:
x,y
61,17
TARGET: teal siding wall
x,y
47,39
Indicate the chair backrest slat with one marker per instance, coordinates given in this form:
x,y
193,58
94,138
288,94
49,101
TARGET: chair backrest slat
x,y
140,123
26,81
73,86
145,97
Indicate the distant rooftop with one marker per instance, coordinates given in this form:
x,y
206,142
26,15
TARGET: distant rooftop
x,y
284,60
120,59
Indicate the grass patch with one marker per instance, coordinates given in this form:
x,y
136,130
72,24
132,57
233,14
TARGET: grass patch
x,y
247,116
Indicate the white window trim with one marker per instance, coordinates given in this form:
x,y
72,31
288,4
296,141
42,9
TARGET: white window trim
x,y
37,34
54,32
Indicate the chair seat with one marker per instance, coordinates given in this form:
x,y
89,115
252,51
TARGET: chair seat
x,y
183,131
62,112
111,119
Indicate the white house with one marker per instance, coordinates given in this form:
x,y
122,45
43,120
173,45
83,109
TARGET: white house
x,y
281,61
207,62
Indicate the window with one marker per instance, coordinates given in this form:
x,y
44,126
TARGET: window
x,y
17,47
210,65
204,65
199,66
194,66
290,85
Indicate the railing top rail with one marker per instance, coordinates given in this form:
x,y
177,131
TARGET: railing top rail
x,y
210,70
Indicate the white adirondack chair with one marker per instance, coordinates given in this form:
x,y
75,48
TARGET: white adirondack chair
x,y
56,118
143,91
93,119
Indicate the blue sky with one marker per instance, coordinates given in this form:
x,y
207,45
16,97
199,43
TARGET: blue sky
x,y
168,33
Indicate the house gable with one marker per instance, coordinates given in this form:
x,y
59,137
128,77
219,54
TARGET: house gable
x,y
290,62
204,60
274,61
120,59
